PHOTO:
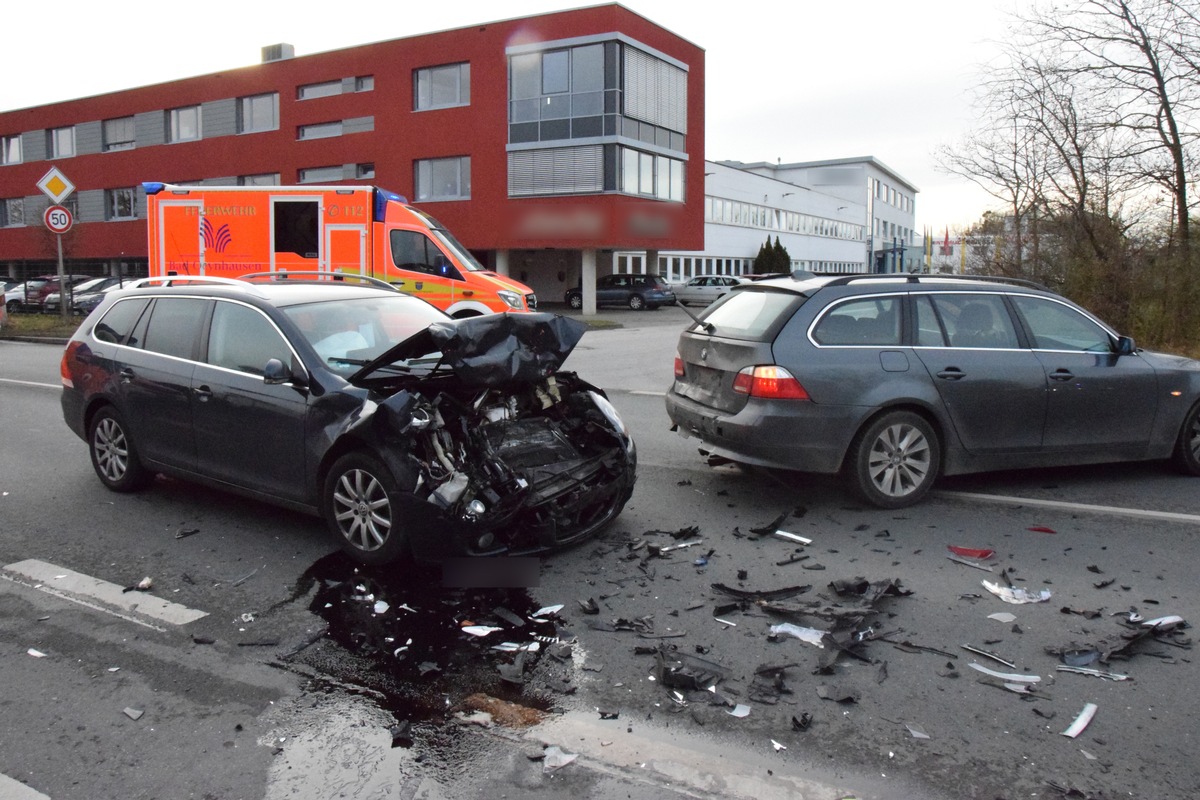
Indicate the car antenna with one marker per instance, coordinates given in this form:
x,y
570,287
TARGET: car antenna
x,y
708,326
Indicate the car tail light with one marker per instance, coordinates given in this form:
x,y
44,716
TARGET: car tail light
x,y
678,366
64,368
770,383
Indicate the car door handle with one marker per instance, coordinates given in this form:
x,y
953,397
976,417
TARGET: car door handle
x,y
952,374
203,392
1062,375
126,375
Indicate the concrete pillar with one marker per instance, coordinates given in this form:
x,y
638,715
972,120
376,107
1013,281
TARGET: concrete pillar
x,y
651,264
587,270
502,262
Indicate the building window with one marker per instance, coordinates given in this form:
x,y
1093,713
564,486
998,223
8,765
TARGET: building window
x,y
321,174
364,83
61,142
442,87
258,112
650,175
10,149
321,130
315,90
118,134
364,171
265,179
183,124
12,212
443,179
120,203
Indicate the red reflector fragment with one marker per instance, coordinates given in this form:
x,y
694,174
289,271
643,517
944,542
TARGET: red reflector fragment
x,y
971,552
769,382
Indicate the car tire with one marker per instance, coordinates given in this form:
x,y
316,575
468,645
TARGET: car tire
x,y
895,459
637,302
575,301
360,508
114,456
1187,446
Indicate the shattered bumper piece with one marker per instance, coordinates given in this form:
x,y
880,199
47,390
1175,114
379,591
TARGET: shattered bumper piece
x,y
1017,596
1081,721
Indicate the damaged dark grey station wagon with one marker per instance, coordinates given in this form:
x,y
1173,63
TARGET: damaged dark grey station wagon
x,y
409,432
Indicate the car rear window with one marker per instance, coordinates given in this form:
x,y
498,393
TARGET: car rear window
x,y
118,323
752,314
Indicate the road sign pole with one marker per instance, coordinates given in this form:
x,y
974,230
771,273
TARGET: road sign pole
x,y
62,282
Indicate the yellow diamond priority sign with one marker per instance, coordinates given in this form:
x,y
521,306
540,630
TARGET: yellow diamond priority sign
x,y
55,185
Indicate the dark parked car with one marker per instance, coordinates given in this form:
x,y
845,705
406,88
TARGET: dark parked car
x,y
627,289
50,303
408,431
896,380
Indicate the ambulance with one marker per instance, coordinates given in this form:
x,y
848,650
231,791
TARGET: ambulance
x,y
229,231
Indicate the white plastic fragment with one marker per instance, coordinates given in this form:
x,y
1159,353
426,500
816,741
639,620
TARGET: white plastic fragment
x,y
548,610
1165,623
133,713
479,630
810,635
1003,616
381,606
1081,721
1017,596
1011,677
513,647
740,710
792,537
36,653
555,758
778,746
1095,673
916,731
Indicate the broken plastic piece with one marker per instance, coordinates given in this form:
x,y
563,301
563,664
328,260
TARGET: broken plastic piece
x,y
1017,596
680,546
916,731
1095,673
968,562
513,647
1041,529
771,526
740,710
1081,721
381,606
549,611
35,653
556,758
133,713
1003,616
778,746
1011,677
792,537
810,635
802,722
986,654
979,554
479,630
1163,623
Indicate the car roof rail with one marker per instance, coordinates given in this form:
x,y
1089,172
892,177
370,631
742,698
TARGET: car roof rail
x,y
920,277
322,276
169,280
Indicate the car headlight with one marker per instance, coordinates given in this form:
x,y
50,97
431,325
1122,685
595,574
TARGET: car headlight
x,y
511,299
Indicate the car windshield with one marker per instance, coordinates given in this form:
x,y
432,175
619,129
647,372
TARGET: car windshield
x,y
348,334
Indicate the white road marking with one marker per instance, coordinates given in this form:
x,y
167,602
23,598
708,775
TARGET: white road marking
x,y
15,790
31,383
1059,505
100,595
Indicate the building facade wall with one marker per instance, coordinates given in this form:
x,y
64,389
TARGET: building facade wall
x,y
381,139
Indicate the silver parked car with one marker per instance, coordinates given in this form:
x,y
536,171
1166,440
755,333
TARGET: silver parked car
x,y
896,380
704,289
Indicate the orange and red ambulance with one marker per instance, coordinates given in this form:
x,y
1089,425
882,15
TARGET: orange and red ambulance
x,y
227,231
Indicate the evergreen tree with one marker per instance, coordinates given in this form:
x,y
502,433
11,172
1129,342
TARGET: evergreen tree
x,y
782,262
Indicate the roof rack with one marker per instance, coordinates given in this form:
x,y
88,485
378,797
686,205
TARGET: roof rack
x,y
168,280
317,276
918,277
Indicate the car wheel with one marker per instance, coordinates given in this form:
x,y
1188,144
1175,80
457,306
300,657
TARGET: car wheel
x,y
637,302
359,503
575,301
895,459
1187,447
114,456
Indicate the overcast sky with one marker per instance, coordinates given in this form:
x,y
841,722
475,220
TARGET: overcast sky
x,y
794,80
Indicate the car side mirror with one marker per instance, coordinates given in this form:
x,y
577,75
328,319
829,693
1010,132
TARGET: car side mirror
x,y
1125,346
275,373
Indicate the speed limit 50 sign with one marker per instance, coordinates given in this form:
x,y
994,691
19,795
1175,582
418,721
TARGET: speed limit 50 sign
x,y
58,219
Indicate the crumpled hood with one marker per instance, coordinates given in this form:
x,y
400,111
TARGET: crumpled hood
x,y
491,350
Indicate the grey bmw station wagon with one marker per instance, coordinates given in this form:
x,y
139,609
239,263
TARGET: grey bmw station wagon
x,y
894,380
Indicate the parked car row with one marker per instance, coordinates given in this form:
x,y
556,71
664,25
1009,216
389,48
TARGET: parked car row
x,y
31,294
84,296
633,290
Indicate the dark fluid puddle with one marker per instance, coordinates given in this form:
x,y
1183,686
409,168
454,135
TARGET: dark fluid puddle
x,y
399,633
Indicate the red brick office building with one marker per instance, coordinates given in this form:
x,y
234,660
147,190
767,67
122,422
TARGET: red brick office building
x,y
545,143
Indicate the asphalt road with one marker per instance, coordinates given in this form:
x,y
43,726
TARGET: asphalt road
x,y
289,685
